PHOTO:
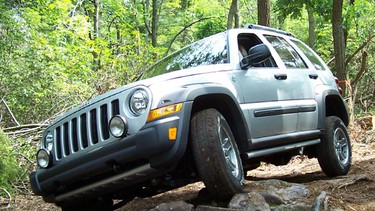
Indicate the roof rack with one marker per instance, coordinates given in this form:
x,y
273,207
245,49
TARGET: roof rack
x,y
254,26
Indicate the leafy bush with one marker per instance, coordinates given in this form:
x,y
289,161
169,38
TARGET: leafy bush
x,y
9,168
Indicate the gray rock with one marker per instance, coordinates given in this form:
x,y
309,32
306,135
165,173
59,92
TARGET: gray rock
x,y
209,208
293,193
267,183
296,207
272,198
272,189
176,206
251,201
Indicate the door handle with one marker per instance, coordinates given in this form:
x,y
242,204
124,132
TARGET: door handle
x,y
313,76
281,76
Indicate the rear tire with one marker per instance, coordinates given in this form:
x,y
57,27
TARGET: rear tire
x,y
334,152
216,154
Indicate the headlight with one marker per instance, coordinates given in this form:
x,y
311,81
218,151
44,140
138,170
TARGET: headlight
x,y
138,102
43,158
48,141
118,126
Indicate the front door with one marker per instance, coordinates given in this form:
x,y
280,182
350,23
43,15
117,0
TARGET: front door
x,y
276,93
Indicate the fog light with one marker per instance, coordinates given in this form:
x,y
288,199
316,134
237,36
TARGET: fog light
x,y
43,158
118,126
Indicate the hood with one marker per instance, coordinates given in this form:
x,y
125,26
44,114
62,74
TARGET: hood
x,y
146,83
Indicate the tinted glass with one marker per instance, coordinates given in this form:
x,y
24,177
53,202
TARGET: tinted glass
x,y
289,56
212,50
310,55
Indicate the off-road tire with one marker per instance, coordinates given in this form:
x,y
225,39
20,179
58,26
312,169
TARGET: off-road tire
x,y
221,172
334,152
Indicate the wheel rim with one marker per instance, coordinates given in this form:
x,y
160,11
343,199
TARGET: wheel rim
x,y
341,143
228,148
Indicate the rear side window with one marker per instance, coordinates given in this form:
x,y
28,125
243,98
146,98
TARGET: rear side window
x,y
289,56
310,55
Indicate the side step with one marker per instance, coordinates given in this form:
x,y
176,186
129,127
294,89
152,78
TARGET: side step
x,y
263,152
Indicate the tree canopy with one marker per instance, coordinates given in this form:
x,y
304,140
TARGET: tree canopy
x,y
58,53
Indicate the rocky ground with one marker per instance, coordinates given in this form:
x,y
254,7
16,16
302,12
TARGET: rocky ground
x,y
300,185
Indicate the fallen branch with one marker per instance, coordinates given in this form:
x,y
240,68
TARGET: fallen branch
x,y
9,196
355,180
22,131
319,201
10,112
20,127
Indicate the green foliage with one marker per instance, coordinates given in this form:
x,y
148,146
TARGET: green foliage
x,y
299,30
9,168
292,8
209,28
52,57
358,23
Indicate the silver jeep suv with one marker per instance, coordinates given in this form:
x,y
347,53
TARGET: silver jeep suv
x,y
210,111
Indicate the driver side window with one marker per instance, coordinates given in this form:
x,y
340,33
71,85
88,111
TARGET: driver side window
x,y
246,42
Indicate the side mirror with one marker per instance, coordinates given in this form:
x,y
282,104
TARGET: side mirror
x,y
257,54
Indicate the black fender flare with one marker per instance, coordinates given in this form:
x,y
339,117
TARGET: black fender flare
x,y
332,104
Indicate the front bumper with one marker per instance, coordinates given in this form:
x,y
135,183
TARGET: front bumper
x,y
119,164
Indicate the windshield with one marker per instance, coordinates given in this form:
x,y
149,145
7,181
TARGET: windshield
x,y
211,50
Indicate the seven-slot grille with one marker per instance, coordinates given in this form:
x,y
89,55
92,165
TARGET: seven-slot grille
x,y
85,130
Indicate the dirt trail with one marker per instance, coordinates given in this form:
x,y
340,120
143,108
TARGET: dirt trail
x,y
356,191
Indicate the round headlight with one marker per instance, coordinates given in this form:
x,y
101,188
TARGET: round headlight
x,y
138,102
118,126
43,158
48,141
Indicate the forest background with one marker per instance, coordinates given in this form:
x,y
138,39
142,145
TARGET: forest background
x,y
55,54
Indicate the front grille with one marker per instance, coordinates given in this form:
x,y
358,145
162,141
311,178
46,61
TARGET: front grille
x,y
85,129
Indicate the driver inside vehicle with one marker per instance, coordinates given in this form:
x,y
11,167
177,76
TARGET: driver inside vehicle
x,y
242,52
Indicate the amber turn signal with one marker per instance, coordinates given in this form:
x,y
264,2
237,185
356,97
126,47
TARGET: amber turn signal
x,y
172,133
164,111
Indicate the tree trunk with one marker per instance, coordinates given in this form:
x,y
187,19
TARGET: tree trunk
x,y
95,54
311,27
154,27
233,14
97,19
339,43
119,40
146,10
362,70
237,16
264,12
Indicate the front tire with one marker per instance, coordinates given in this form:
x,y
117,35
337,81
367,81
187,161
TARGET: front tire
x,y
216,154
334,152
